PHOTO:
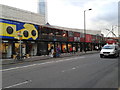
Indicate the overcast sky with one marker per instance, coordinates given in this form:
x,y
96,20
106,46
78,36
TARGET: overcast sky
x,y
69,13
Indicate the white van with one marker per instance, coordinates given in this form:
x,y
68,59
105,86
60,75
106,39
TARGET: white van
x,y
110,50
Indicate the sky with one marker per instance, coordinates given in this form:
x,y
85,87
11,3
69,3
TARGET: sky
x,y
70,13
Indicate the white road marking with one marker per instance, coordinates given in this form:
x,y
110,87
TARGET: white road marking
x,y
79,66
73,68
41,64
63,71
69,69
19,84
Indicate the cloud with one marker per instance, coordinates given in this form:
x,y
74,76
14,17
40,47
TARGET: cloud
x,y
69,13
108,13
29,5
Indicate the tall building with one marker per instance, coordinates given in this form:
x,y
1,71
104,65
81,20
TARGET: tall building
x,y
42,9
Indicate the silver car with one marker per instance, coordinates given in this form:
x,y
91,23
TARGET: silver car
x,y
110,50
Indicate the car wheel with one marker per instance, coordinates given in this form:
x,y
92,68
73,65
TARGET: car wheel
x,y
101,56
118,55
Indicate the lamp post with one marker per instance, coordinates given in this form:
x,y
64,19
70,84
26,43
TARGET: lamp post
x,y
20,43
20,50
85,29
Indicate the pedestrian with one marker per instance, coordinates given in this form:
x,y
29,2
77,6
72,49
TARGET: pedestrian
x,y
70,49
57,51
51,51
65,50
79,49
74,49
96,47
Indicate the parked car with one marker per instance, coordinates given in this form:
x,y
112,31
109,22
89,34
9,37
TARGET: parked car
x,y
110,50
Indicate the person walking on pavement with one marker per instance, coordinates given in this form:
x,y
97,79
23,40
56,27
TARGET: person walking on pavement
x,y
70,50
96,48
57,51
51,51
74,49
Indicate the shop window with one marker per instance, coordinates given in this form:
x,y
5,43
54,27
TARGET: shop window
x,y
17,47
64,48
4,49
50,45
69,45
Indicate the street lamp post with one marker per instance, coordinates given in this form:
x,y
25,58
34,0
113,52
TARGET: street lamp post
x,y
20,43
85,29
20,50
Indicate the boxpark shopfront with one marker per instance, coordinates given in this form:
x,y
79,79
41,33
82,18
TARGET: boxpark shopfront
x,y
10,45
51,36
38,39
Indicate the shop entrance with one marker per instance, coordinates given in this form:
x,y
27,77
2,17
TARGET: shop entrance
x,y
64,48
54,45
70,46
50,44
31,48
6,50
42,48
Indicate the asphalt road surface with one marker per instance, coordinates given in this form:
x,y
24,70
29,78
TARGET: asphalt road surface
x,y
86,71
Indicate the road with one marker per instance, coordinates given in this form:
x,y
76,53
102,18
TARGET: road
x,y
86,71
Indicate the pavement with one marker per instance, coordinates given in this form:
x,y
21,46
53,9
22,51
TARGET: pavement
x,y
44,57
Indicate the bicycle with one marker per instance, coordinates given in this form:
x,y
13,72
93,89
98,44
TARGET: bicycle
x,y
18,58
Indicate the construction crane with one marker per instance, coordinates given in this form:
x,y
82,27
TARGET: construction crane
x,y
111,31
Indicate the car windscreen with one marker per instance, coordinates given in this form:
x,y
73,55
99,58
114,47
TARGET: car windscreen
x,y
108,47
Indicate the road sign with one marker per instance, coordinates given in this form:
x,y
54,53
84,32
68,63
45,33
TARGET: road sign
x,y
20,35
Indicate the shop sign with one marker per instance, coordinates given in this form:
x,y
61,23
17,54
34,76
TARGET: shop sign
x,y
5,41
88,38
13,29
20,41
71,39
32,42
81,37
77,39
70,34
76,34
20,35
